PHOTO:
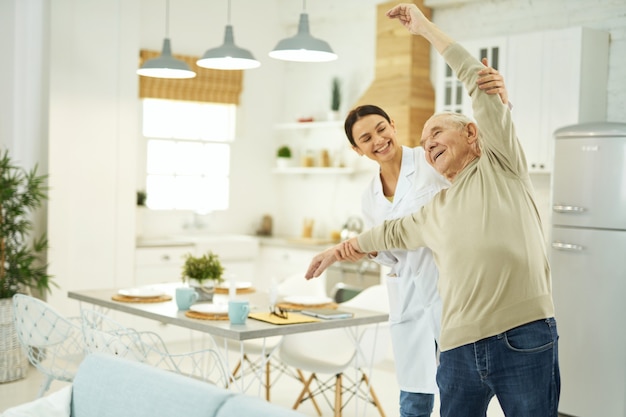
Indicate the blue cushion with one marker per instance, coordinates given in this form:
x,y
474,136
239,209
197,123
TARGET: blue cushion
x,y
242,405
108,386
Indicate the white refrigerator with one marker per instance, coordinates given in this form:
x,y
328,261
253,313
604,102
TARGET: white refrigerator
x,y
588,261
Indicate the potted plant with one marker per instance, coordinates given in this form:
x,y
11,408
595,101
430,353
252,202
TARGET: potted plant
x,y
141,198
22,265
283,157
335,101
202,273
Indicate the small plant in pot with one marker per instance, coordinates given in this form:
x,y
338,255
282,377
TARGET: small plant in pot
x,y
283,157
203,273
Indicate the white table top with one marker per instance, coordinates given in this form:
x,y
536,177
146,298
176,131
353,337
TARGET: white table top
x,y
167,312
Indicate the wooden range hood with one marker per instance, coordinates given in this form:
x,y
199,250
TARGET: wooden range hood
x,y
401,85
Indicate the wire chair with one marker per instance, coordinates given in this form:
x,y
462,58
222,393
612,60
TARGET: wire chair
x,y
105,335
52,342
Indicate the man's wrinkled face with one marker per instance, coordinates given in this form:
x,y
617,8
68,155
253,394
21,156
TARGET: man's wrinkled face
x,y
447,145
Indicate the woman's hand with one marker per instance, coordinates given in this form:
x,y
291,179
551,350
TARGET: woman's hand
x,y
492,82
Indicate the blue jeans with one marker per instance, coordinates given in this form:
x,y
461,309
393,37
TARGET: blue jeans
x,y
520,367
415,404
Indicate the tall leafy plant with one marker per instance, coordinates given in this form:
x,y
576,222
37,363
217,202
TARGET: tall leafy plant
x,y
21,256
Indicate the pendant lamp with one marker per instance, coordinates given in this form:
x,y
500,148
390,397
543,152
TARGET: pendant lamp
x,y
228,56
165,65
303,47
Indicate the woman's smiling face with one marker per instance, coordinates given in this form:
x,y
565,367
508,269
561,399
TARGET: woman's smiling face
x,y
375,138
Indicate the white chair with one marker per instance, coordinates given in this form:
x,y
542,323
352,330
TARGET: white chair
x,y
336,353
257,352
104,335
52,342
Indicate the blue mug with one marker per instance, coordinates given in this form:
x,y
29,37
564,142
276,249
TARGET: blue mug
x,y
185,297
238,311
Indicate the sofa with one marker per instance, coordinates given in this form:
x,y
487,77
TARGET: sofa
x,y
109,386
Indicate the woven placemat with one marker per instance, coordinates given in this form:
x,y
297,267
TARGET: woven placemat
x,y
127,299
239,290
203,316
298,307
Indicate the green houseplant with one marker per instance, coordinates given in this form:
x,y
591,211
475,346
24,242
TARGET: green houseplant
x,y
202,273
336,95
22,266
283,157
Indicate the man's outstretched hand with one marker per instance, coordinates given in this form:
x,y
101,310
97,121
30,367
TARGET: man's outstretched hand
x,y
344,251
320,262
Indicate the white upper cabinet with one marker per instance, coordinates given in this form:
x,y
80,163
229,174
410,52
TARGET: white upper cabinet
x,y
554,79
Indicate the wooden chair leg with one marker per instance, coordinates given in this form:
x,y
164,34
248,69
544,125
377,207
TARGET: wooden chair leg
x,y
308,390
374,397
338,400
304,391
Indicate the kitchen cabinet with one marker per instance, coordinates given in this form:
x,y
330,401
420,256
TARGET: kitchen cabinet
x,y
557,78
280,262
308,141
554,78
162,260
159,264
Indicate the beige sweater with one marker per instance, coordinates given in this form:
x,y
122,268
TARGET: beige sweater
x,y
484,231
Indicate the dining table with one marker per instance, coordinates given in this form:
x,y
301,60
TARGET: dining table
x,y
222,333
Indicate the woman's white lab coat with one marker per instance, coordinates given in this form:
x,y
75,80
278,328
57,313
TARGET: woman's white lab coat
x,y
414,303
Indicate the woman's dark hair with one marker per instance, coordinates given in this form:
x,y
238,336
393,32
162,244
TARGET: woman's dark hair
x,y
359,112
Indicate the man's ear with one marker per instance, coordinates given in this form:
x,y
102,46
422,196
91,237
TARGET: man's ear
x,y
471,131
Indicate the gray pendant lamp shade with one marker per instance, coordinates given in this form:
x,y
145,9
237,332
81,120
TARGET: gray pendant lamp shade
x,y
228,56
165,65
303,47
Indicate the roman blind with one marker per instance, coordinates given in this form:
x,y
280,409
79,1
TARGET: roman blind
x,y
215,86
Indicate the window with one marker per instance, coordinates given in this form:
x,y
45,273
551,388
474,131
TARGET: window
x,y
188,154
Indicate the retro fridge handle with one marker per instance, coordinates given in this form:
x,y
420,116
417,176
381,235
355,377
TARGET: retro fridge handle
x,y
568,209
567,246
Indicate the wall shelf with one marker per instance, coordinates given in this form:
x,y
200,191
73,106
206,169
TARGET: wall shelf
x,y
309,125
314,170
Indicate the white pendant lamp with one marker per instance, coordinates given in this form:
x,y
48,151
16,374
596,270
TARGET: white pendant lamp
x,y
303,47
228,56
165,65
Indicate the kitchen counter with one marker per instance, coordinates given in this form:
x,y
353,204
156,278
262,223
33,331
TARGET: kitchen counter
x,y
296,242
269,241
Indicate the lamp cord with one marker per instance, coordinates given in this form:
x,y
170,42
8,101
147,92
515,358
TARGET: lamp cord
x,y
228,13
167,18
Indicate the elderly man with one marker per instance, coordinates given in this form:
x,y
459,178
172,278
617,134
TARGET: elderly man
x,y
498,333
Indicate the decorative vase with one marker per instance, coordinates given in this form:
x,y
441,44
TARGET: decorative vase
x,y
205,289
283,163
13,360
